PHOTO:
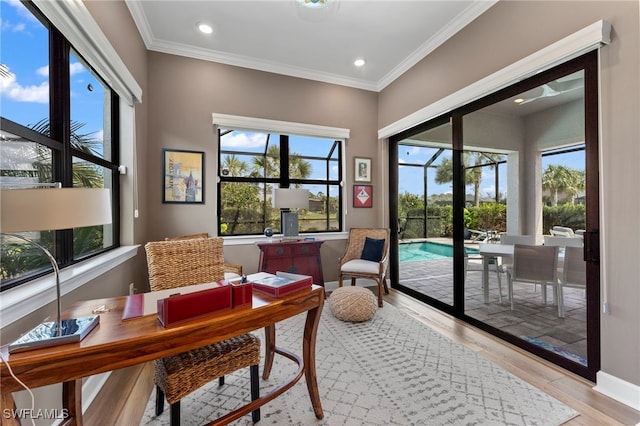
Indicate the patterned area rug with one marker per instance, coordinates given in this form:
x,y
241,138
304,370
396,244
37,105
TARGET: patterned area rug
x,y
391,370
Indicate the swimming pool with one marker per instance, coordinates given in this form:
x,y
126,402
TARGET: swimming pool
x,y
413,252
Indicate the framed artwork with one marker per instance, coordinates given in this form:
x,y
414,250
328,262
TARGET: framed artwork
x,y
362,170
363,196
182,176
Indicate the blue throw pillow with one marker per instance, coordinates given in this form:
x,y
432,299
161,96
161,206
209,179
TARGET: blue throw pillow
x,y
372,249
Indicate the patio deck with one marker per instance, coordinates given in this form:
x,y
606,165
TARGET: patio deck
x,y
530,319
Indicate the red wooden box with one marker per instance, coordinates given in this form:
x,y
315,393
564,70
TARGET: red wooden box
x,y
182,307
242,294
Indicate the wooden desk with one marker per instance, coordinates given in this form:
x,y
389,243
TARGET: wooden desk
x,y
115,344
298,257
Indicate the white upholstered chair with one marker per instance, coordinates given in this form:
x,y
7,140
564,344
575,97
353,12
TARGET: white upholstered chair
x,y
366,257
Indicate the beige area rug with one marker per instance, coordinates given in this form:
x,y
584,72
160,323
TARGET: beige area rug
x,y
391,370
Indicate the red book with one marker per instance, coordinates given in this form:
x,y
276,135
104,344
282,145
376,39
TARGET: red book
x,y
279,284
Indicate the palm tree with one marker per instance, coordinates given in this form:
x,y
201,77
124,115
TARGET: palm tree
x,y
473,163
557,179
269,164
234,166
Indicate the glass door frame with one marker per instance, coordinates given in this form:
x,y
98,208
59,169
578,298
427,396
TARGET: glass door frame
x,y
588,64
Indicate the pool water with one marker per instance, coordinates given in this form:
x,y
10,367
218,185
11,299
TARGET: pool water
x,y
413,252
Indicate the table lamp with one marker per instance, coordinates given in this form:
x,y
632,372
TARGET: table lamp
x,y
44,209
289,198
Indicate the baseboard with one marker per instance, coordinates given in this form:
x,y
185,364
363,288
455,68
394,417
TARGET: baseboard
x,y
618,389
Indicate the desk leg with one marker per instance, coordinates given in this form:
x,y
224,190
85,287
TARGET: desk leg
x,y
72,402
8,405
485,278
269,350
309,356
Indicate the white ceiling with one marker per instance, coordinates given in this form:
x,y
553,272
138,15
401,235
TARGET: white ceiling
x,y
281,36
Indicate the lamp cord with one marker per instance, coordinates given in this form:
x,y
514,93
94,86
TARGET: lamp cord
x,y
33,399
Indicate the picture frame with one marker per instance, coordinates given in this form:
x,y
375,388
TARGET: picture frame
x,y
362,170
182,176
362,196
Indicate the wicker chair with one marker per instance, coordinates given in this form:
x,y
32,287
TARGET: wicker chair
x,y
230,270
186,262
352,264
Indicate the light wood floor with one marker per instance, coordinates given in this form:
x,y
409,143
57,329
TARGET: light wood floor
x,y
124,397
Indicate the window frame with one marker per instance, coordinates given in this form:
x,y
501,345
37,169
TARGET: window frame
x,y
285,129
59,141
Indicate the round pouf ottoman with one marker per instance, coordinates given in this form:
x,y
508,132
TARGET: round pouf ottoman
x,y
354,304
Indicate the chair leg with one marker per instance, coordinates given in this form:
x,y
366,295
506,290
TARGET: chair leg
x,y
499,283
384,283
159,401
255,391
340,280
560,298
175,413
379,294
510,283
353,281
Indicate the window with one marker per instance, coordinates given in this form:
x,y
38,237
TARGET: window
x,y
59,124
252,163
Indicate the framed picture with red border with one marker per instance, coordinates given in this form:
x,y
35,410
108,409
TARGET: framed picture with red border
x,y
363,196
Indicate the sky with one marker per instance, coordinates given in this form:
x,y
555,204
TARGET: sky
x,y
24,95
411,178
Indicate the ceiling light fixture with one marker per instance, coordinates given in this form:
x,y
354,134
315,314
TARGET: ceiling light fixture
x,y
314,4
204,28
518,101
359,62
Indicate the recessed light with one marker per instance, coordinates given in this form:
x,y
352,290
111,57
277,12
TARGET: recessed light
x,y
359,62
204,28
518,101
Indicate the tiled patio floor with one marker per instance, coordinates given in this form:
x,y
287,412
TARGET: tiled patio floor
x,y
530,317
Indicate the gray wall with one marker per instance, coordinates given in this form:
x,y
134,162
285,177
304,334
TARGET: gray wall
x,y
506,33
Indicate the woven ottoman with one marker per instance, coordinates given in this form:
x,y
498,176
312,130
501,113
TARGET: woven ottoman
x,y
353,304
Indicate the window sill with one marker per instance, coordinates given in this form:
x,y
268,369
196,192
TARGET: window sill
x,y
22,300
252,239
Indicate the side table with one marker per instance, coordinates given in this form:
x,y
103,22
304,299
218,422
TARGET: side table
x,y
298,257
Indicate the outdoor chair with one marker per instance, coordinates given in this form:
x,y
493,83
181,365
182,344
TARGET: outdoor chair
x,y
186,262
231,270
534,264
574,274
475,263
366,257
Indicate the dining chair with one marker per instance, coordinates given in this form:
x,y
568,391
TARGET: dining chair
x,y
534,264
179,263
366,257
231,270
574,274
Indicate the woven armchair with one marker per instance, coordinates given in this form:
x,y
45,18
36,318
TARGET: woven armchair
x,y
351,265
230,270
186,262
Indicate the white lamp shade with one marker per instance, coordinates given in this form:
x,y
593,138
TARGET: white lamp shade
x,y
289,198
43,209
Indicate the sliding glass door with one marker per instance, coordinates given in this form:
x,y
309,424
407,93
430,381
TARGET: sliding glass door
x,y
424,214
509,185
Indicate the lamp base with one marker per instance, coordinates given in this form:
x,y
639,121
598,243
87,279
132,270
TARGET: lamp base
x,y
46,334
290,224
